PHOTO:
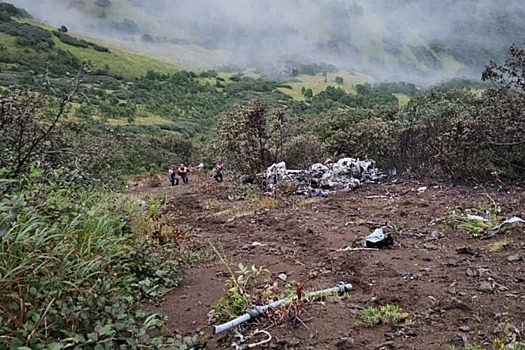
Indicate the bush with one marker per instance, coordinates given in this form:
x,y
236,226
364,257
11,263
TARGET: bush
x,y
68,39
27,35
71,262
8,11
302,151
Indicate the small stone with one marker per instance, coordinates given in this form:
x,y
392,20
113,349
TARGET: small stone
x,y
486,287
514,258
464,250
452,289
282,277
430,246
471,273
345,343
452,262
465,329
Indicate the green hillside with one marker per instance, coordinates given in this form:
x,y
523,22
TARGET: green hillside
x,y
23,33
389,39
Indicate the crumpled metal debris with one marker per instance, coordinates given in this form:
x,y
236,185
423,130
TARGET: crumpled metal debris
x,y
378,239
493,231
345,174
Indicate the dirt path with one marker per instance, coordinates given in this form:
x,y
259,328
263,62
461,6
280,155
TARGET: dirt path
x,y
456,290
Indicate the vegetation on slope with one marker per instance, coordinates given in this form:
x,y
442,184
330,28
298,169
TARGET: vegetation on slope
x,y
77,260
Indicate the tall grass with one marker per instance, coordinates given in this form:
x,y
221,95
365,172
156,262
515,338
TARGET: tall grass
x,y
73,271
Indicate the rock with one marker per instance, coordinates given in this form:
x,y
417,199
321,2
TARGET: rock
x,y
464,250
471,272
465,329
388,345
282,277
345,343
514,258
506,328
430,246
486,286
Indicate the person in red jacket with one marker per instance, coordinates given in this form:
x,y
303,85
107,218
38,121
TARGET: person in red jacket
x,y
183,172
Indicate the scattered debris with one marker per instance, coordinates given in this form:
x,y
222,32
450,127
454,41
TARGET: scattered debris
x,y
493,231
346,249
252,245
283,277
242,339
345,174
317,192
256,311
476,218
378,239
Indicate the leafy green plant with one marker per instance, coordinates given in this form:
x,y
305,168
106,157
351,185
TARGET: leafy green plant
x,y
475,221
468,347
74,272
499,245
241,288
385,314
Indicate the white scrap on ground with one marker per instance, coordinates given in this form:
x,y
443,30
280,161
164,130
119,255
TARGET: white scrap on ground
x,y
345,174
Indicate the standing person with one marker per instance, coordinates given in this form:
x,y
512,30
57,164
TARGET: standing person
x,y
217,172
183,173
172,176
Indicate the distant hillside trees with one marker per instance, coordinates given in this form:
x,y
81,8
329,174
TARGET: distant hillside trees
x,y
103,3
127,26
7,11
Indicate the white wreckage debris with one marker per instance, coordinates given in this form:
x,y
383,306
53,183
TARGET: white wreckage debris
x,y
345,174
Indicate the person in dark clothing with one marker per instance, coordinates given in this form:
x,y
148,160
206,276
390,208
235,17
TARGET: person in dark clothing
x,y
183,173
217,172
172,176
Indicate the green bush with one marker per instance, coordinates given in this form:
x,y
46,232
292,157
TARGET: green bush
x,y
27,35
74,271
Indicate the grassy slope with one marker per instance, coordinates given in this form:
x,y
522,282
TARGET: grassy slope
x,y
129,64
319,83
121,62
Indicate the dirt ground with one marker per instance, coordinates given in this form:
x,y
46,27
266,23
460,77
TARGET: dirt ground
x,y
457,290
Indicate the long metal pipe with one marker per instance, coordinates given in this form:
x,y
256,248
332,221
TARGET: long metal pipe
x,y
257,311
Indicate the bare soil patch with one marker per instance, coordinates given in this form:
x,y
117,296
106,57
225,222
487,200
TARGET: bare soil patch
x,y
456,289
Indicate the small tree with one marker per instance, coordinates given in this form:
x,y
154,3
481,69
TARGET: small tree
x,y
247,138
308,93
339,80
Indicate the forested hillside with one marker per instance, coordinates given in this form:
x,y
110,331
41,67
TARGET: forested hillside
x,y
82,120
403,40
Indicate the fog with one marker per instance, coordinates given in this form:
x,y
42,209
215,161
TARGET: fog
x,y
411,40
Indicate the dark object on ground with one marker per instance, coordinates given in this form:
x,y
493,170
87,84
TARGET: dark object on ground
x,y
378,239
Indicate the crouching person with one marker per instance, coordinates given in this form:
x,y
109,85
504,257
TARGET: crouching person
x,y
172,176
183,172
217,172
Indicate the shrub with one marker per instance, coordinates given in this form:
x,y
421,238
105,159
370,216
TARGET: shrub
x,y
302,151
73,272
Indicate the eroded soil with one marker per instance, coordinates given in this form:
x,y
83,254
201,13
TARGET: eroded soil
x,y
456,289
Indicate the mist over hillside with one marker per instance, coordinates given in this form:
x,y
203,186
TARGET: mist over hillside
x,y
421,41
